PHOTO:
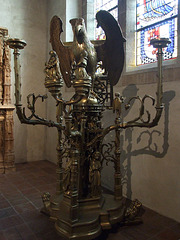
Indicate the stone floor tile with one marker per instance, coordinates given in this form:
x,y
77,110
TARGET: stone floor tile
x,y
41,226
30,216
12,234
7,212
10,222
38,203
1,197
132,233
153,238
51,188
176,227
150,228
20,204
8,190
4,204
29,191
24,207
2,236
17,200
49,236
25,232
168,234
36,196
164,221
23,186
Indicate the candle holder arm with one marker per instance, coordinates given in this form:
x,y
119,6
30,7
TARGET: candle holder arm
x,y
38,121
17,45
75,99
132,123
31,106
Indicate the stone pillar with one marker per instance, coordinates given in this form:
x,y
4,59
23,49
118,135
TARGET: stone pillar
x,y
6,109
6,76
2,142
9,141
1,68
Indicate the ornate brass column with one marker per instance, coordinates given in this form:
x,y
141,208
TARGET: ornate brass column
x,y
117,174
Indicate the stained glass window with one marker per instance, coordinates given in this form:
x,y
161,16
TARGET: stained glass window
x,y
155,19
110,6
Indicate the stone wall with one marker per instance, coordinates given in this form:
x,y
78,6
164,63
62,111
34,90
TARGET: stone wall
x,y
27,19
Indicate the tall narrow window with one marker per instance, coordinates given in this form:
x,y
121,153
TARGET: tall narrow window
x,y
110,6
155,19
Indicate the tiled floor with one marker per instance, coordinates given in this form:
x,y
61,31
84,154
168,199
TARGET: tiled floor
x,y
20,204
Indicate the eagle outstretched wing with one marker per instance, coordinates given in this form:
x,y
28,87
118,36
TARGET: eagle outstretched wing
x,y
111,53
64,53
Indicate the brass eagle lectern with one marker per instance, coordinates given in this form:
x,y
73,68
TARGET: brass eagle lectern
x,y
79,208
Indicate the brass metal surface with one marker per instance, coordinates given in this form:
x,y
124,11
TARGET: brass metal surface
x,y
111,53
79,208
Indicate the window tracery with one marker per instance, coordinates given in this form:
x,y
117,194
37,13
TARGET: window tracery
x,y
155,19
110,6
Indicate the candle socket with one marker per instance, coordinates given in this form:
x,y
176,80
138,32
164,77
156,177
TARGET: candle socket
x,y
160,42
16,43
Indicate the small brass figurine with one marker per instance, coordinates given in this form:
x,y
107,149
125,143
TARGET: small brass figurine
x,y
95,175
67,177
52,68
117,104
132,214
46,201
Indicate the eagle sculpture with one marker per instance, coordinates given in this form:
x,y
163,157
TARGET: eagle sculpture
x,y
64,53
111,52
83,50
